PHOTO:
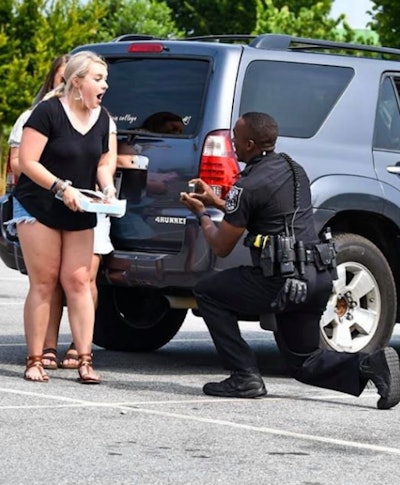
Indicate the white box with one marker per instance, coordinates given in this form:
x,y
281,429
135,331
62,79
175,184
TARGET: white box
x,y
116,208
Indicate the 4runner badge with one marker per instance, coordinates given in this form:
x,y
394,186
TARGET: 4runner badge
x,y
233,198
170,220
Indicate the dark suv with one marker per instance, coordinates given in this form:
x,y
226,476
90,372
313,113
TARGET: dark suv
x,y
338,110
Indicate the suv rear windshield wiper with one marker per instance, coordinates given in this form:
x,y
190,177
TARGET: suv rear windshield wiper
x,y
139,132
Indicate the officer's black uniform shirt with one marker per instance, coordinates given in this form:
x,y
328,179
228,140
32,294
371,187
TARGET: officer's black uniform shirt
x,y
263,196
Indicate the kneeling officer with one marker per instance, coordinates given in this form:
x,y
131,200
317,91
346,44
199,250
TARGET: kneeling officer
x,y
291,275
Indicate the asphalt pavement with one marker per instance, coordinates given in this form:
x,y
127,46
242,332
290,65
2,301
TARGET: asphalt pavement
x,y
149,423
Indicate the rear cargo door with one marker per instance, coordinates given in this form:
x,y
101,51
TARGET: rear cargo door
x,y
157,104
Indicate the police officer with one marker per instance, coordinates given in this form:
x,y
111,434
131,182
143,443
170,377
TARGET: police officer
x,y
291,275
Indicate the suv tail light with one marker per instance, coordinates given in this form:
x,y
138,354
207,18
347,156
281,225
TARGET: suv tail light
x,y
11,178
219,167
145,47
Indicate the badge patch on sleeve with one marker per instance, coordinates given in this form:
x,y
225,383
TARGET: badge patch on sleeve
x,y
232,199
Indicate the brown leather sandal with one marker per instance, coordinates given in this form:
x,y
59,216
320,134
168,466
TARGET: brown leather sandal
x,y
71,355
50,354
35,361
85,368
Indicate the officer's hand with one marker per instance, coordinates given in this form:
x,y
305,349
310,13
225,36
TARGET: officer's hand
x,y
191,203
293,290
204,193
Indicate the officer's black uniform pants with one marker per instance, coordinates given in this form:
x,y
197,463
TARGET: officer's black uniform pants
x,y
224,296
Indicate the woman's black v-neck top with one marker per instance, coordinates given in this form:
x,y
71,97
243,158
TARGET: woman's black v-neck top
x,y
69,155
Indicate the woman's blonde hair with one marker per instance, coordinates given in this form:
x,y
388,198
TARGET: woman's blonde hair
x,y
78,65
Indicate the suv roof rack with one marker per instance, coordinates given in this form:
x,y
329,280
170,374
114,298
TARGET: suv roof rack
x,y
205,38
222,37
288,42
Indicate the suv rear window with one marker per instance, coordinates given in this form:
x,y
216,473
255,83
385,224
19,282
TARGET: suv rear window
x,y
298,96
141,87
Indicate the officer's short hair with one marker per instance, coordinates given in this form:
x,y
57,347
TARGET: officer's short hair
x,y
263,129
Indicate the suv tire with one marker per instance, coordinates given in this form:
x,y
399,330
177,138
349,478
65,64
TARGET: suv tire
x,y
127,320
360,320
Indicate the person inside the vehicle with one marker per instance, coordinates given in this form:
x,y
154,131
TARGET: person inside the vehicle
x,y
130,154
164,122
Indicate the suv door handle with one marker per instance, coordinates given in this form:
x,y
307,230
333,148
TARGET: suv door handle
x,y
394,168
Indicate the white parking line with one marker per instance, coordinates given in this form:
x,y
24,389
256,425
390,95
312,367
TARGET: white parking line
x,y
205,339
23,344
180,341
277,432
128,407
13,278
11,303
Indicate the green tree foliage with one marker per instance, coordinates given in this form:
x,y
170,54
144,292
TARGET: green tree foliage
x,y
305,18
208,17
295,5
311,22
139,16
36,32
385,22
17,64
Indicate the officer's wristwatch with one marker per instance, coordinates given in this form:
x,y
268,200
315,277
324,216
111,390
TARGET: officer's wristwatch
x,y
202,214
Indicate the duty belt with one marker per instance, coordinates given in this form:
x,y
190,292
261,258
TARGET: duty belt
x,y
283,255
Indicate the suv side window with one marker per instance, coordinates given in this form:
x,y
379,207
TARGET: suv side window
x,y
387,122
299,96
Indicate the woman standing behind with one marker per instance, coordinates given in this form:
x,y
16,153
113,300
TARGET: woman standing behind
x,y
64,145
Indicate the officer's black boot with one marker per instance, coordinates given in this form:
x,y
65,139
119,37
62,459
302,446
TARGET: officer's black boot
x,y
383,368
239,384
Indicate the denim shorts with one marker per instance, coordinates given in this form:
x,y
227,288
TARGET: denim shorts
x,y
20,214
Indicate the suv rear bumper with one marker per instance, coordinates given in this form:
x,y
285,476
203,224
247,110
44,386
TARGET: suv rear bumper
x,y
155,270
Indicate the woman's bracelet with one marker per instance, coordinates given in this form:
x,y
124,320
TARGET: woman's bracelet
x,y
62,188
54,185
107,189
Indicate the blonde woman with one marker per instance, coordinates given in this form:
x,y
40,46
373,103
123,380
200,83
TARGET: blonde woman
x,y
64,146
53,79
102,242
